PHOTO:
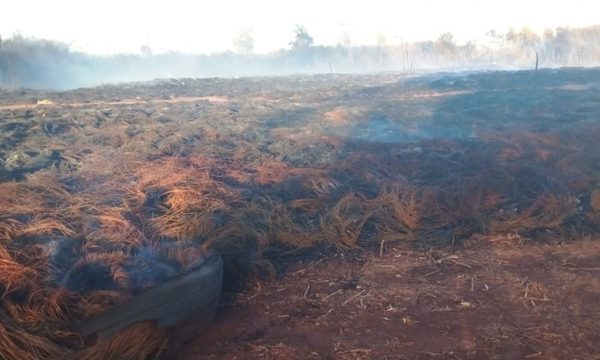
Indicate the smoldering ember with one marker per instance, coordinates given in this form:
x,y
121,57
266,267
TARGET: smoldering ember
x,y
356,216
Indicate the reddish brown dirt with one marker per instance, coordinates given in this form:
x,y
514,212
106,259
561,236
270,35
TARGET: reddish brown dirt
x,y
493,300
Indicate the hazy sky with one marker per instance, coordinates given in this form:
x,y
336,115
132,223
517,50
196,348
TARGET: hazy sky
x,y
110,26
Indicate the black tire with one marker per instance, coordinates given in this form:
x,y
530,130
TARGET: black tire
x,y
193,295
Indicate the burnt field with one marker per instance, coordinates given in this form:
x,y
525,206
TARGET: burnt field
x,y
449,216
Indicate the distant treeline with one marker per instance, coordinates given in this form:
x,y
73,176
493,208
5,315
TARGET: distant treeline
x,y
34,63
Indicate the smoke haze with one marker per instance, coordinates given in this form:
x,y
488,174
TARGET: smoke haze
x,y
34,63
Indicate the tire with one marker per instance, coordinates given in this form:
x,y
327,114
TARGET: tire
x,y
193,295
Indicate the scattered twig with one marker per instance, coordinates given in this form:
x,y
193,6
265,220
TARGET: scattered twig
x,y
584,269
432,273
534,355
258,289
339,291
452,258
350,299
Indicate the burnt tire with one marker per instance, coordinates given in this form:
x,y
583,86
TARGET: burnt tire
x,y
195,295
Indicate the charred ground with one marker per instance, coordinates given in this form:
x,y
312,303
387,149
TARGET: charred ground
x,y
427,205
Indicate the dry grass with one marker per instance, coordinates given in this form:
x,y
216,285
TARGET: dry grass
x,y
48,226
141,341
111,226
172,181
547,212
17,343
16,276
404,204
343,224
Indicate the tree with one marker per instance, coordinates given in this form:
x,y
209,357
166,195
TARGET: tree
x,y
526,39
346,40
447,39
146,50
496,39
381,41
446,44
243,42
302,39
563,45
381,48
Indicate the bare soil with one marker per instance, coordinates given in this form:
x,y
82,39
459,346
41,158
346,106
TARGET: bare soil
x,y
492,299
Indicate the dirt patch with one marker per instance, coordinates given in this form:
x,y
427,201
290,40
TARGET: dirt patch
x,y
483,302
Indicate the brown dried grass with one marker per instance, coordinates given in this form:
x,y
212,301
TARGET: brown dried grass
x,y
404,203
15,276
97,301
17,343
45,226
549,211
127,181
113,227
140,341
343,224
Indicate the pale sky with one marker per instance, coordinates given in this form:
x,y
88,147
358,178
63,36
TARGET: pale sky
x,y
113,26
